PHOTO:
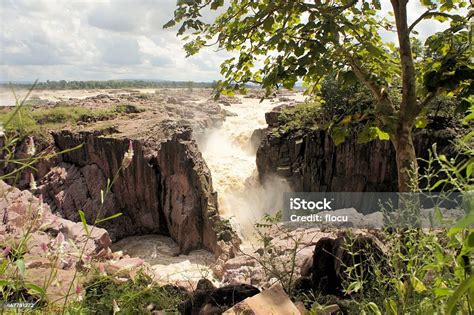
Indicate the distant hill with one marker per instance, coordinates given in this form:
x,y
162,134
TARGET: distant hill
x,y
109,84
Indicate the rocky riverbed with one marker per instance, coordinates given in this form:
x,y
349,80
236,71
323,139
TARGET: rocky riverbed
x,y
169,208
199,174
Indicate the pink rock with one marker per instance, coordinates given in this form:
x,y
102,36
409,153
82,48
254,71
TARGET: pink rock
x,y
273,301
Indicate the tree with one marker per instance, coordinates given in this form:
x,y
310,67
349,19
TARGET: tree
x,y
281,42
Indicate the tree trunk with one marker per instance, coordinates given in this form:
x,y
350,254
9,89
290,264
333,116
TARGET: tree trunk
x,y
407,166
409,109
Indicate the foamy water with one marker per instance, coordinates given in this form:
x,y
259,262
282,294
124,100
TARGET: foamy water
x,y
162,254
230,157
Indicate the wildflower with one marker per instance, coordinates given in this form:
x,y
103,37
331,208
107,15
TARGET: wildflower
x,y
40,206
32,182
6,251
2,131
60,242
87,260
44,247
78,289
115,307
101,268
30,146
430,276
128,156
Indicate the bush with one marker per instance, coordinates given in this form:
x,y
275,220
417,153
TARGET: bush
x,y
21,121
132,297
300,116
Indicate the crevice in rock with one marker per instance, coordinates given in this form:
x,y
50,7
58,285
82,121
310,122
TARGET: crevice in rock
x,y
167,189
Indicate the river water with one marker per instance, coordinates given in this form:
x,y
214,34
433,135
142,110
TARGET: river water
x,y
231,158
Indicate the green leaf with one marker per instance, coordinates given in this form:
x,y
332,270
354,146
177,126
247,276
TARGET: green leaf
x,y
3,266
442,292
467,284
339,135
35,288
82,215
354,287
20,263
466,222
470,240
421,122
169,24
108,218
382,135
216,4
441,181
392,306
438,215
373,308
268,23
468,136
418,285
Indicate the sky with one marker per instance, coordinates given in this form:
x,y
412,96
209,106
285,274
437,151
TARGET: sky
x,y
102,40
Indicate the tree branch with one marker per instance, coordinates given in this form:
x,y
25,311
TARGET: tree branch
x,y
427,100
427,13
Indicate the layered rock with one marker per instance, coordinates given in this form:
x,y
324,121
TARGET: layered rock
x,y
166,190
311,161
21,212
50,247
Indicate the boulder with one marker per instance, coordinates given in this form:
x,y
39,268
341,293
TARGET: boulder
x,y
124,266
273,301
54,243
217,300
332,256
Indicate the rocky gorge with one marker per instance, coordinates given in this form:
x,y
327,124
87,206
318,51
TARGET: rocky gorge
x,y
200,168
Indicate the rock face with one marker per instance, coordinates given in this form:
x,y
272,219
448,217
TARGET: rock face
x,y
53,247
18,209
310,161
166,190
332,256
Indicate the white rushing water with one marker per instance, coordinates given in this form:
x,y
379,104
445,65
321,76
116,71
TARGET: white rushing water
x,y
161,253
232,160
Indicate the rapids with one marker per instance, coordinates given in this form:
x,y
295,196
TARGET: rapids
x,y
230,156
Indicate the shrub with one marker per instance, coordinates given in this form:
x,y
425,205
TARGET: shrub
x,y
132,296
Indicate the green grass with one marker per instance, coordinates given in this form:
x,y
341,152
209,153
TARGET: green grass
x,y
29,121
132,296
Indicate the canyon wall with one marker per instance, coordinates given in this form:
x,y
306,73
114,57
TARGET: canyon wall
x,y
310,160
166,190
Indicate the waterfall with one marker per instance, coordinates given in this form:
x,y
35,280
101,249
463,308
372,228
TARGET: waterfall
x,y
231,157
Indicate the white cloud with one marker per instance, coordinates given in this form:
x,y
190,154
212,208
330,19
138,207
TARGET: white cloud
x,y
119,39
